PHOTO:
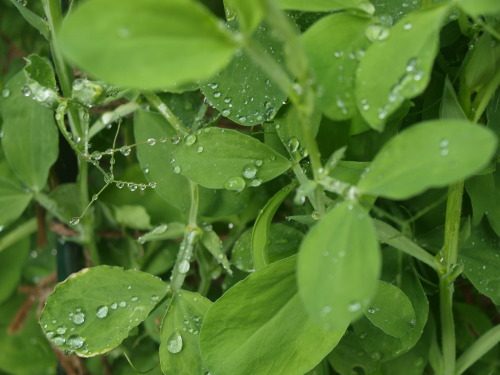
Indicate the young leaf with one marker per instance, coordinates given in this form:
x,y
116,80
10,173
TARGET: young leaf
x,y
333,252
481,191
261,228
92,311
333,45
222,158
249,13
41,80
429,154
391,310
180,339
179,42
326,5
477,8
213,244
242,91
260,327
30,140
412,44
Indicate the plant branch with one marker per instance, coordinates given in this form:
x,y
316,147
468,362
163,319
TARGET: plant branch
x,y
480,347
166,112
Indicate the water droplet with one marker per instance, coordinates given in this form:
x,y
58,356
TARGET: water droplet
x,y
74,221
217,94
122,304
119,185
376,356
371,310
174,344
134,299
255,182
444,143
114,305
142,187
411,66
354,306
184,266
152,185
258,163
226,112
155,298
26,90
235,184
61,330
199,150
249,171
78,318
102,311
377,32
59,340
75,342
407,26
151,141
338,53
5,93
190,139
445,151
125,150
177,169
325,311
132,187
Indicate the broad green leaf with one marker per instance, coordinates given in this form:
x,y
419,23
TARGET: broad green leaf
x,y
382,85
391,11
93,311
156,162
30,140
481,258
391,310
334,44
260,327
13,197
388,346
180,339
249,13
326,5
223,158
242,91
477,8
339,264
25,352
261,228
282,241
179,42
11,262
481,191
132,216
426,155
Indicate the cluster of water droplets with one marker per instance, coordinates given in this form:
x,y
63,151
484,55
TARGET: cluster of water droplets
x,y
191,325
44,95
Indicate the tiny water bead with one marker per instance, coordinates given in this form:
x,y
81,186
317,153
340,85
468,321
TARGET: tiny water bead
x,y
114,305
177,169
249,171
102,312
235,184
59,340
200,149
5,93
74,221
377,32
78,318
184,266
125,150
119,185
75,342
190,139
354,306
61,330
151,141
174,343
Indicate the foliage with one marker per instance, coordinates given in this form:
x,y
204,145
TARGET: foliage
x,y
250,187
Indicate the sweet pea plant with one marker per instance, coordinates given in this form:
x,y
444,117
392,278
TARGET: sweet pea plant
x,y
259,187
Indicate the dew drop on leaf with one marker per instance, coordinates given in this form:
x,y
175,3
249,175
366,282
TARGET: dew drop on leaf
x,y
61,330
190,139
354,306
59,340
249,171
235,184
184,266
78,318
75,342
102,311
174,344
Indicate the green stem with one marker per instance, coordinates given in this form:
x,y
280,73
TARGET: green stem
x,y
448,341
166,112
191,236
18,233
482,345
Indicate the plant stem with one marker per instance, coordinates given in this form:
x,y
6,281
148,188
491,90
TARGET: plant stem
x,y
18,233
480,347
166,112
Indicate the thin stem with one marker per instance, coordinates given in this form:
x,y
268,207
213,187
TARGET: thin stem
x,y
448,340
87,220
452,224
18,233
166,112
480,347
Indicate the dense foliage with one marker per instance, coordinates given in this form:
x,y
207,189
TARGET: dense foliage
x,y
249,187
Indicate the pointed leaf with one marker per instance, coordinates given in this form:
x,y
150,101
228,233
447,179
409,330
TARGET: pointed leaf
x,y
430,154
412,43
339,264
260,327
13,198
222,158
92,311
326,5
180,339
179,41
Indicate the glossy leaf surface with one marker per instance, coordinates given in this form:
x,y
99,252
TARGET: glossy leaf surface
x,y
331,255
326,5
429,154
260,327
114,302
160,30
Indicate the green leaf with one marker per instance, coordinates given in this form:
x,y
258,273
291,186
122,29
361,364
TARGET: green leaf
x,y
326,5
333,45
180,339
391,11
179,42
132,216
11,262
282,241
168,231
25,352
13,198
249,13
481,191
339,264
477,73
30,140
450,106
242,91
493,212
93,311
213,244
222,158
477,8
480,255
40,69
429,154
260,327
261,228
391,310
412,44
33,19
